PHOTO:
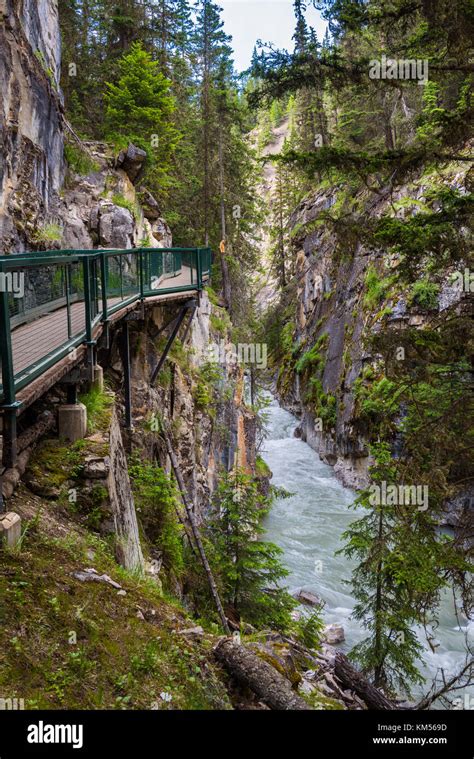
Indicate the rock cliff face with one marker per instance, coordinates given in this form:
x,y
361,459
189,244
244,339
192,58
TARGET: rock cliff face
x,y
31,131
96,201
211,427
101,208
333,318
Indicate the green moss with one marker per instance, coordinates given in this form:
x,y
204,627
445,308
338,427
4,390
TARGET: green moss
x,y
313,358
320,702
220,323
213,296
53,463
78,645
157,504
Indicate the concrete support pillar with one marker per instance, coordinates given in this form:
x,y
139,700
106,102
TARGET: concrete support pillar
x,y
72,421
98,381
10,529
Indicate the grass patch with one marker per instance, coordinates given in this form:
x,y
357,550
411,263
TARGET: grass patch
x,y
48,233
78,645
98,404
79,161
122,202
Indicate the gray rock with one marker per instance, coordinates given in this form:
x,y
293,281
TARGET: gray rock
x,y
194,632
91,575
96,469
151,209
306,688
116,228
308,598
334,634
131,161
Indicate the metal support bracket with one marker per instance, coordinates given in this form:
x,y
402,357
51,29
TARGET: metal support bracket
x,y
9,433
182,314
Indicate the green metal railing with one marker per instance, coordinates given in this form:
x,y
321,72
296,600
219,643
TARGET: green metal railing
x,y
81,289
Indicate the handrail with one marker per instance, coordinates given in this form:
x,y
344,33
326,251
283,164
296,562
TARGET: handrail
x,y
81,289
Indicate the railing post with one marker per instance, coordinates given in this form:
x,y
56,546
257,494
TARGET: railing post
x,y
103,274
87,297
88,305
105,309
199,268
9,404
8,378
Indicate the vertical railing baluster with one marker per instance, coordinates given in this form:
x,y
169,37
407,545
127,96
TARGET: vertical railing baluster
x,y
140,272
87,298
68,300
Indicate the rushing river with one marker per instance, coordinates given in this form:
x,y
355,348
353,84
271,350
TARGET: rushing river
x,y
308,527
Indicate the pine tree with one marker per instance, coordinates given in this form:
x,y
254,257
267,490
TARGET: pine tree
x,y
249,569
140,109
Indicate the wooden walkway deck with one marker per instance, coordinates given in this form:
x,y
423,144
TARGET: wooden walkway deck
x,y
34,340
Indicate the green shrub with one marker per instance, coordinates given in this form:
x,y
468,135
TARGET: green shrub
x,y
308,629
79,161
247,568
376,287
424,294
313,358
157,502
47,233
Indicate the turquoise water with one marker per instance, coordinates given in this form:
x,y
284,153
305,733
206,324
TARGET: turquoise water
x,y
308,527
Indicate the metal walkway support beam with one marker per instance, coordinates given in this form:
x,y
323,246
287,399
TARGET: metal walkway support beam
x,y
125,353
190,304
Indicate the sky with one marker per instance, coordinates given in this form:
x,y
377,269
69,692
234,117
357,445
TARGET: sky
x,y
269,20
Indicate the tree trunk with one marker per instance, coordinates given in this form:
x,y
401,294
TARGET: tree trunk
x,y
255,673
196,534
226,291
354,680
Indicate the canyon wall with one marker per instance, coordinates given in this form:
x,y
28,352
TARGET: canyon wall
x,y
31,121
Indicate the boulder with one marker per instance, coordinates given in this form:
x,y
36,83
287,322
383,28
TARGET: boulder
x,y
151,209
131,162
193,632
334,634
307,598
96,468
161,232
91,575
116,228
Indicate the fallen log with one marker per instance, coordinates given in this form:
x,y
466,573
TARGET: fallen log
x,y
354,680
31,436
255,673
